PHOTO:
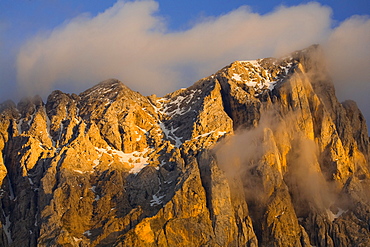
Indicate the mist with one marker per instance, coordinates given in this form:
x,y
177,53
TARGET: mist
x,y
273,154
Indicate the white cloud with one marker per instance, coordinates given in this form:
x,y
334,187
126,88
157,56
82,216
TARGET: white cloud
x,y
131,43
349,58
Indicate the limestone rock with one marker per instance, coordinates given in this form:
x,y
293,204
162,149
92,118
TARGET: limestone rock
x,y
261,153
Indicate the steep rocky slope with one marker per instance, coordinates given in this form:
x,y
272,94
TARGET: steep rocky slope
x,y
259,154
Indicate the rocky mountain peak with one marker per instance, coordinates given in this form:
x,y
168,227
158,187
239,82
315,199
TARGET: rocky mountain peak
x,y
105,89
261,153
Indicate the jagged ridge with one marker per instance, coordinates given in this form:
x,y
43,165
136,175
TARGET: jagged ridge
x,y
110,166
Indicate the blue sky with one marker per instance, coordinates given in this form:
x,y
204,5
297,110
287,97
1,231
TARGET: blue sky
x,y
21,19
160,46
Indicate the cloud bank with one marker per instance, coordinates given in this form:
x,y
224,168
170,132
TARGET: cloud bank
x,y
348,54
130,42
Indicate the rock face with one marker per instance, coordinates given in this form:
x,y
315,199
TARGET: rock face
x,y
261,153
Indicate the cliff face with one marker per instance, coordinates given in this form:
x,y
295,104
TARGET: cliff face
x,y
259,154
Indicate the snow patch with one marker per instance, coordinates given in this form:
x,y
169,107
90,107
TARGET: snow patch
x,y
179,106
77,239
143,130
6,228
265,79
97,197
78,171
96,163
137,168
340,212
219,133
169,133
252,62
93,189
157,200
19,126
333,216
136,159
11,191
31,120
236,77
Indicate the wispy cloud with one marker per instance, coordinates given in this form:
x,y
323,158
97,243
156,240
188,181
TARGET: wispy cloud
x,y
130,42
272,154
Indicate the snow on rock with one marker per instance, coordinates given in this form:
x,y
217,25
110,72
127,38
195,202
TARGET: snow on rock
x,y
340,212
332,216
180,105
19,126
218,134
236,77
169,133
137,167
77,239
78,171
137,160
157,200
252,62
175,106
96,163
259,77
6,228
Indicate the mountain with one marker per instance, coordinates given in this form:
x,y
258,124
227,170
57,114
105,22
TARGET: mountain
x,y
261,153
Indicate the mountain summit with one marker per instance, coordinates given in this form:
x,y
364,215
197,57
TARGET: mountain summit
x,y
261,153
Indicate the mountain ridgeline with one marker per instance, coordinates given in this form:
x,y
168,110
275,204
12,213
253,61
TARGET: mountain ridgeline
x,y
261,153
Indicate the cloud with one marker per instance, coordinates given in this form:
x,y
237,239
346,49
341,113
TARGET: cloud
x,y
348,53
7,68
89,49
272,153
131,43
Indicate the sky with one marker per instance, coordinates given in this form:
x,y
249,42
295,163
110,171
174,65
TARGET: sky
x,y
161,46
